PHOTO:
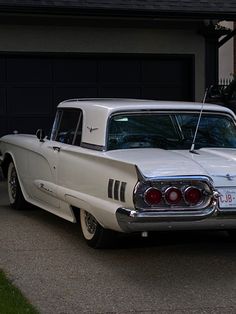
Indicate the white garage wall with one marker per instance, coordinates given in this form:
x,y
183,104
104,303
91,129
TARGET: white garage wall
x,y
33,38
226,56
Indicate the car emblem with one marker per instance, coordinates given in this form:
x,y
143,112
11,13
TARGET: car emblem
x,y
91,129
227,176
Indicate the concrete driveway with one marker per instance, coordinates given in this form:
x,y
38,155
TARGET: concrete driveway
x,y
47,259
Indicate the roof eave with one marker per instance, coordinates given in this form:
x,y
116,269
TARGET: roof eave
x,y
127,13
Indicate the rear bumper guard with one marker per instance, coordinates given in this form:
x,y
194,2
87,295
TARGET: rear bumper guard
x,y
131,220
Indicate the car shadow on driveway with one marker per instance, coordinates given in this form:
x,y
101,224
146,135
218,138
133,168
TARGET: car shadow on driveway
x,y
191,240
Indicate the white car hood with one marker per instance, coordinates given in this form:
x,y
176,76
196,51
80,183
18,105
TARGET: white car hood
x,y
215,163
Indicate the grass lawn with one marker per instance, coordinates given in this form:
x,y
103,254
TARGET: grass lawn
x,y
11,299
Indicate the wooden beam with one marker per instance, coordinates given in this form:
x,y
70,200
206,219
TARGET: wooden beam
x,y
226,38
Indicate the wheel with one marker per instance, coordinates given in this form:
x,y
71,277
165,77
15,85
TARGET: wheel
x,y
15,195
95,235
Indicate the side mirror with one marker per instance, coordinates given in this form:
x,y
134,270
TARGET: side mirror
x,y
40,135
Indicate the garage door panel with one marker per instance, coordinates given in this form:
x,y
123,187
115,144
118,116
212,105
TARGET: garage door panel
x,y
75,70
3,126
32,86
163,93
29,100
63,93
119,71
120,92
2,70
29,124
2,100
28,70
163,71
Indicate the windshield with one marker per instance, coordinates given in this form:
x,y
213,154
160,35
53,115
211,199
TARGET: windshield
x,y
170,131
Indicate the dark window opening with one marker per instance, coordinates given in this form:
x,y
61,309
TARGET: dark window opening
x,y
67,127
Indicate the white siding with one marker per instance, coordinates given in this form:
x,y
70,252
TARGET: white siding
x,y
226,56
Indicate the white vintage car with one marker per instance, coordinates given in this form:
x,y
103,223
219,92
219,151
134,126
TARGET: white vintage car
x,y
120,165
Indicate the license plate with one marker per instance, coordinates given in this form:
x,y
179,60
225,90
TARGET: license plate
x,y
227,197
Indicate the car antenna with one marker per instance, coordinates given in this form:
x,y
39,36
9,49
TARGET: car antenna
x,y
192,150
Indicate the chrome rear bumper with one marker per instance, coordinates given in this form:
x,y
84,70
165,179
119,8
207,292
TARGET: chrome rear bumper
x,y
211,218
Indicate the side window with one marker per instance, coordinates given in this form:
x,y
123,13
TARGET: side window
x,y
56,124
78,133
67,127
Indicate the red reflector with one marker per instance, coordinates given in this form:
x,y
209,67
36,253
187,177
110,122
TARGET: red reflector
x,y
173,195
152,196
192,195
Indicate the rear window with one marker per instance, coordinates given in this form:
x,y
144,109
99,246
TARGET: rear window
x,y
170,131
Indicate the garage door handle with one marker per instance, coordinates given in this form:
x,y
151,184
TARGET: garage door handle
x,y
57,148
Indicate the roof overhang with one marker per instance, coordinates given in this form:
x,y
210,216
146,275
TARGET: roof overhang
x,y
128,13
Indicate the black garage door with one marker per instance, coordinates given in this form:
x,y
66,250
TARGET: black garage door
x,y
32,86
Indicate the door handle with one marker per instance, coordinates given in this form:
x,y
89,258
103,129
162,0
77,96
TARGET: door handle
x,y
57,148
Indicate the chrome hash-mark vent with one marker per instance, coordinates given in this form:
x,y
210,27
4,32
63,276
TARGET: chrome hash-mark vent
x,y
116,190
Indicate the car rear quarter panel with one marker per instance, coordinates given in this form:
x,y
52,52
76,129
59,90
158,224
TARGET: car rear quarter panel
x,y
84,177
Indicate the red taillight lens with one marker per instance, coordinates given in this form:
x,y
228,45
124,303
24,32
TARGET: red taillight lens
x,y
152,196
192,195
173,195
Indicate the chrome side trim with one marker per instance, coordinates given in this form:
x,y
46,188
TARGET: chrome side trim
x,y
110,188
93,146
122,191
116,190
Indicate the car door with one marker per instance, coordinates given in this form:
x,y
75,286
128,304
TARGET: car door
x,y
46,158
43,173
42,162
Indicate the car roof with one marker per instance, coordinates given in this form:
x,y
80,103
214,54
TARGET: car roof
x,y
96,112
117,104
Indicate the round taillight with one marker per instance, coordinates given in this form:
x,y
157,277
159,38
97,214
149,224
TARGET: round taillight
x,y
192,195
152,196
173,195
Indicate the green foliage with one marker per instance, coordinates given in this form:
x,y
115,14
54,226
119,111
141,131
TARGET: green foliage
x,y
11,299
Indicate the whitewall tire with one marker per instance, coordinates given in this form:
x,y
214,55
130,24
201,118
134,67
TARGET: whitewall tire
x,y
95,235
15,195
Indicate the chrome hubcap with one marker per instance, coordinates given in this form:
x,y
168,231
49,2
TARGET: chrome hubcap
x,y
13,183
91,223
